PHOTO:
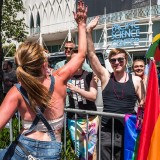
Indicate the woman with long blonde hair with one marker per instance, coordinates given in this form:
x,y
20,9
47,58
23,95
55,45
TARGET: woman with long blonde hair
x,y
40,98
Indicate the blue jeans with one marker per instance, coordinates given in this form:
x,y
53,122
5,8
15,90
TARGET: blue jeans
x,y
42,150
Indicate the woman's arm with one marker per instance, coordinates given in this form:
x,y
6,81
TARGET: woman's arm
x,y
8,106
72,66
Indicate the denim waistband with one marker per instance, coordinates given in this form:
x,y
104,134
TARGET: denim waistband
x,y
37,143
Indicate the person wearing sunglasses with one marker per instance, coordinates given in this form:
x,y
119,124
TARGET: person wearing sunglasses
x,y
69,49
82,96
120,91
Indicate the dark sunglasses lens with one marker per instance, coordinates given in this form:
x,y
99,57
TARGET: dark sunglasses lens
x,y
113,60
68,48
120,60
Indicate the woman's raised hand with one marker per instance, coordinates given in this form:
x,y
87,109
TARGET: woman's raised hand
x,y
81,15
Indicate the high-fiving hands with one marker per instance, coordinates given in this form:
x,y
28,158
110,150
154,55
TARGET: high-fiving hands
x,y
81,15
92,24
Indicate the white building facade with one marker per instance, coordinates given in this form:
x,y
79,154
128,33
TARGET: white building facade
x,y
131,29
52,18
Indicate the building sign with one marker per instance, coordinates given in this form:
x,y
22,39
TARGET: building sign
x,y
125,34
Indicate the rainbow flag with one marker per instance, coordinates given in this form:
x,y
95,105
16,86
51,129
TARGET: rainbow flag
x,y
154,49
131,137
149,142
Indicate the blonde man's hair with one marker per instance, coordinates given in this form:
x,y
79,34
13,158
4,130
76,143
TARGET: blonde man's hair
x,y
116,51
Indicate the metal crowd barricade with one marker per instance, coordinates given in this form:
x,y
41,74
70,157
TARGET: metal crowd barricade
x,y
99,114
9,125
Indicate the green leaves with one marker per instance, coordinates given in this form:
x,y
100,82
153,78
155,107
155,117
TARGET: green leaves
x,y
13,26
9,50
5,136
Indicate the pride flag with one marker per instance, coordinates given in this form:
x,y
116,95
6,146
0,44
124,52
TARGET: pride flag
x,y
149,142
131,137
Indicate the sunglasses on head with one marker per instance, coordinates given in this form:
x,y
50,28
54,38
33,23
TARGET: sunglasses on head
x,y
120,60
66,48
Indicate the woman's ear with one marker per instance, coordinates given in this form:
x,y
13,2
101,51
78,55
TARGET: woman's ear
x,y
45,68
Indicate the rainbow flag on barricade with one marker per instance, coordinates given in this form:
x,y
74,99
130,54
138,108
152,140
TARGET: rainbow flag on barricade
x,y
148,140
131,137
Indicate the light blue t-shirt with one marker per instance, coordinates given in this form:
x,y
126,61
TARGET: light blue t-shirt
x,y
85,66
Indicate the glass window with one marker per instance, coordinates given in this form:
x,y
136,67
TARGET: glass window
x,y
38,22
31,21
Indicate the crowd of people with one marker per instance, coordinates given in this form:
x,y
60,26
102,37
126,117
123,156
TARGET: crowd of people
x,y
40,97
9,76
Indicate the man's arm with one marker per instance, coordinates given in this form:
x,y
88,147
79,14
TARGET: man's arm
x,y
8,106
99,70
90,95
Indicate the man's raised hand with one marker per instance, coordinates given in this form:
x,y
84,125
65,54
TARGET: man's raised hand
x,y
92,24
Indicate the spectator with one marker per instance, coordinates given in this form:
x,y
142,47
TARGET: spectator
x,y
120,91
69,47
138,69
9,76
82,95
35,99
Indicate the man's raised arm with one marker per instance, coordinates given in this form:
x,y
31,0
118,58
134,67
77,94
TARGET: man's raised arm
x,y
99,70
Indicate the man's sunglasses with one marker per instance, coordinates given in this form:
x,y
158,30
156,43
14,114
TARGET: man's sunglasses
x,y
120,60
66,48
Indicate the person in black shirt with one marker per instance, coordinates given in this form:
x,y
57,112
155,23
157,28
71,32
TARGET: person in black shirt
x,y
82,95
120,91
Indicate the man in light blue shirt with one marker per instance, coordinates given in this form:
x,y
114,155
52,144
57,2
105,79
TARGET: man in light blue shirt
x,y
69,49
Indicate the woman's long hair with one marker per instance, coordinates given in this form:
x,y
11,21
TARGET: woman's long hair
x,y
29,59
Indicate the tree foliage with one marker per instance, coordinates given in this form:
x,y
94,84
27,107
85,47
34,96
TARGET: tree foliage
x,y
9,50
13,25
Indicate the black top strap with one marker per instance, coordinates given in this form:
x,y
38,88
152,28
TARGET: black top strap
x,y
51,89
23,92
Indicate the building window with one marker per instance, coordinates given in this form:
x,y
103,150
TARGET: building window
x,y
31,24
38,22
53,49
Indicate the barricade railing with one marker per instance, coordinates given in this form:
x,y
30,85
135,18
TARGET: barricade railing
x,y
9,125
87,113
